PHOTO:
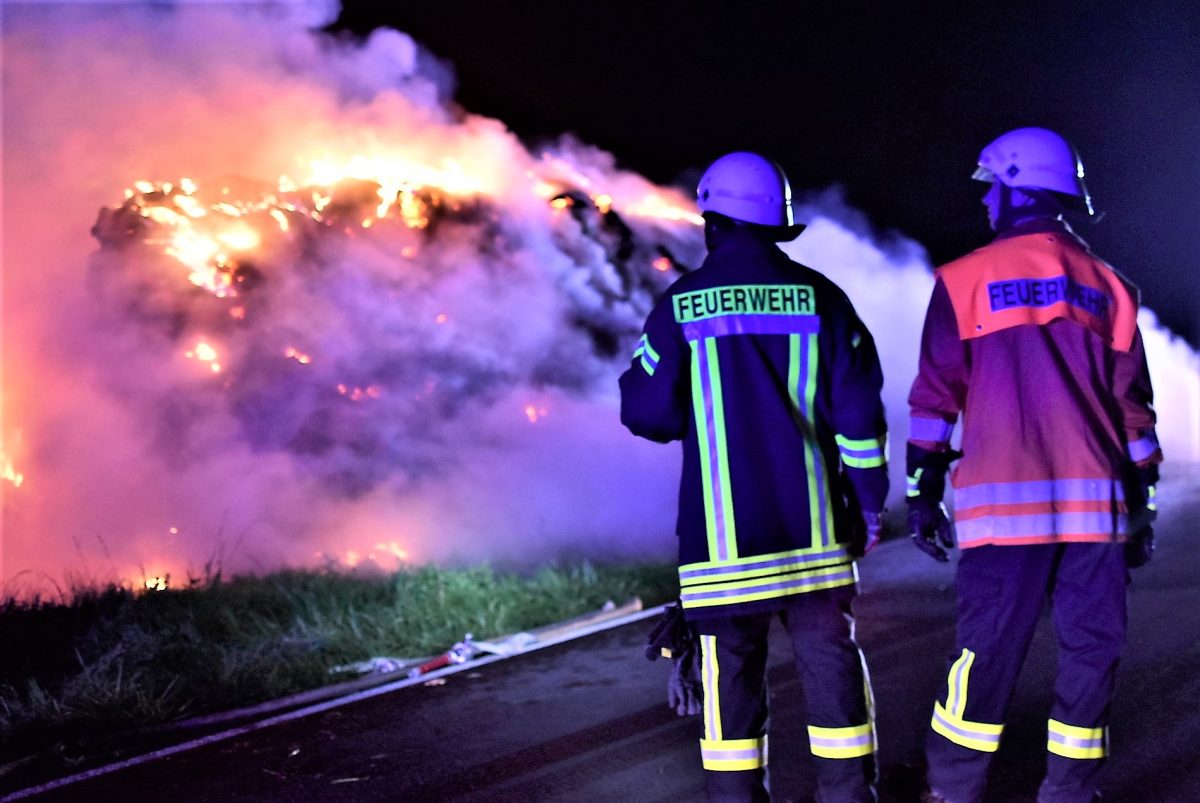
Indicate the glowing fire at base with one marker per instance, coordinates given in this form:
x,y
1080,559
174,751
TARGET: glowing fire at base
x,y
157,583
8,471
535,414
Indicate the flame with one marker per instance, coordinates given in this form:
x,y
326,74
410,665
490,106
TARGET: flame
x,y
240,238
297,355
204,352
353,558
157,582
662,264
534,413
358,394
394,549
657,205
8,471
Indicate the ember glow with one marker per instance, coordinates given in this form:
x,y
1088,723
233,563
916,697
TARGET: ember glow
x,y
294,307
8,471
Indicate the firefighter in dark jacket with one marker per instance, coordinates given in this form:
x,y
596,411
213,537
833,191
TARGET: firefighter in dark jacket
x,y
761,367
1034,340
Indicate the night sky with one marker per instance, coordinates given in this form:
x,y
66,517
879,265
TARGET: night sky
x,y
892,104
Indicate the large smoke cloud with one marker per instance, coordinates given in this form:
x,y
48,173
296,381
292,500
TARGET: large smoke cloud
x,y
491,337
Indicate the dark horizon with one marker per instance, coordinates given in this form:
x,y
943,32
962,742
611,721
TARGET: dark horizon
x,y
890,104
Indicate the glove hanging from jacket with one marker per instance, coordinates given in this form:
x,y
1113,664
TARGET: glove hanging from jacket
x,y
1139,548
928,523
674,638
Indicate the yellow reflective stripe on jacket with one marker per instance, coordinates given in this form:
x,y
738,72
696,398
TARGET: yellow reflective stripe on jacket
x,y
733,755
772,563
803,356
981,736
708,409
851,742
769,587
1072,741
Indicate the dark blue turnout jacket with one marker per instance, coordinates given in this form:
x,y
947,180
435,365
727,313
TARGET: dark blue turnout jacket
x,y
762,368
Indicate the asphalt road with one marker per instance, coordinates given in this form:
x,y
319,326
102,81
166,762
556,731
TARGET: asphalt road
x,y
587,720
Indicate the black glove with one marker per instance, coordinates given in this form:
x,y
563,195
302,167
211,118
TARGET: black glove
x,y
928,524
685,689
1140,546
671,636
674,638
930,527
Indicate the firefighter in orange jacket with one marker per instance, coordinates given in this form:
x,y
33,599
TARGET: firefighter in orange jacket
x,y
1034,340
762,369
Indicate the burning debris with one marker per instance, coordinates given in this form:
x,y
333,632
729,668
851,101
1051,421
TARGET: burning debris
x,y
351,322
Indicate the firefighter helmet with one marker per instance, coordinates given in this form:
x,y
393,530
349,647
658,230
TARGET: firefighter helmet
x,y
1035,158
747,187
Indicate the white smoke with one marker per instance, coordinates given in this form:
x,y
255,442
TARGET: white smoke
x,y
133,457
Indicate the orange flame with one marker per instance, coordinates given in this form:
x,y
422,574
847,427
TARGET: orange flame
x,y
8,471
203,352
297,355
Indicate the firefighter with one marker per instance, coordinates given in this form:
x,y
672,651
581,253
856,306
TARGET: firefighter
x,y
1034,340
761,367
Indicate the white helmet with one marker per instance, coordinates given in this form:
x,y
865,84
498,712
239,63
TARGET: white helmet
x,y
1035,158
747,187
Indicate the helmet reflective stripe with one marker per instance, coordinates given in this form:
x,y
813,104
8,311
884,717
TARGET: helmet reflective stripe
x,y
746,187
1035,158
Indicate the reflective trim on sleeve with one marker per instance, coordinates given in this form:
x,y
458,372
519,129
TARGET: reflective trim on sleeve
x,y
912,486
1152,498
934,430
733,755
649,357
851,742
863,453
1072,741
1144,447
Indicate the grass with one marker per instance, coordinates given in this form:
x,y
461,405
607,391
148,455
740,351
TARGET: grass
x,y
112,660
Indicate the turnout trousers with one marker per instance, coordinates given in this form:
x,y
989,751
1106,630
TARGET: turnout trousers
x,y
1001,590
837,693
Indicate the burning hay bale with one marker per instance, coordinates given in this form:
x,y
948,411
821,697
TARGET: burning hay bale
x,y
350,324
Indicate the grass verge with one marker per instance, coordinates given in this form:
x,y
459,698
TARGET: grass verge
x,y
112,660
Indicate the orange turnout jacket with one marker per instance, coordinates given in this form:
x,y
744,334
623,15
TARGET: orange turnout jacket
x,y
1034,340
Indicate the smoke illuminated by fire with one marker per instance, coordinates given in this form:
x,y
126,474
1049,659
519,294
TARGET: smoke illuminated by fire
x,y
323,316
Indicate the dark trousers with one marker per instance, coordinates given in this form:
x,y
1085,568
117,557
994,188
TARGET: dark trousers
x,y
1001,590
836,689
